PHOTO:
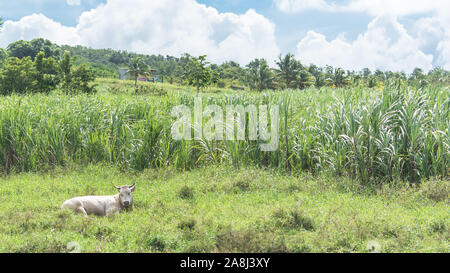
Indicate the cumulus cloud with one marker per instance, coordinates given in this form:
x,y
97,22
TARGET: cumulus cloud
x,y
294,6
36,26
372,7
430,34
434,36
170,27
444,54
174,27
178,26
393,7
385,45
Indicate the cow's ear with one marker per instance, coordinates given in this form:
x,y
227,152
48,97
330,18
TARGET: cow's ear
x,y
117,188
132,187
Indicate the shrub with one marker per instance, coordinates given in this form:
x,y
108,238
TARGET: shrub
x,y
45,73
75,79
249,241
186,192
15,76
436,190
188,224
82,76
241,185
293,218
155,243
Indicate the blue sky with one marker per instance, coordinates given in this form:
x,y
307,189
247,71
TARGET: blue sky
x,y
287,24
57,10
349,33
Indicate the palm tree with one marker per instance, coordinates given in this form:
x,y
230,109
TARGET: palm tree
x,y
305,79
136,68
418,77
366,73
259,75
289,70
372,81
318,74
356,78
438,75
339,78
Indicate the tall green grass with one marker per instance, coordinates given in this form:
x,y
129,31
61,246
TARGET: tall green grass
x,y
370,135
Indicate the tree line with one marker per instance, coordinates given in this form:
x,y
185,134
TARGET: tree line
x,y
19,59
43,74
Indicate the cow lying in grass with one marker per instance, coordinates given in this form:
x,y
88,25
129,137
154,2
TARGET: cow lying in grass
x,y
103,205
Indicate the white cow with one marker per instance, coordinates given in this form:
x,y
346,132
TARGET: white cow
x,y
103,205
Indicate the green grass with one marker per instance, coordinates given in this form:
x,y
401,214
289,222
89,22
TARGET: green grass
x,y
374,136
355,167
127,86
223,209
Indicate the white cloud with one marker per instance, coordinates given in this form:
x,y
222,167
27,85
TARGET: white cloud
x,y
434,36
294,6
36,26
395,7
372,7
444,54
429,30
431,33
170,27
174,27
73,2
385,45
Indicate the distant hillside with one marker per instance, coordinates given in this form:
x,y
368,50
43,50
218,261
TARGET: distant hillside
x,y
106,62
290,73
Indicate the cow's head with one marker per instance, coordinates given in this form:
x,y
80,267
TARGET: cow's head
x,y
126,196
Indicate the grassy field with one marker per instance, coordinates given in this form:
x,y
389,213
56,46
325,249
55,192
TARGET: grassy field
x,y
375,136
356,167
223,209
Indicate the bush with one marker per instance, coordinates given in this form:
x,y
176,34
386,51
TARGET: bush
x,y
81,77
436,190
241,185
44,75
249,241
15,76
186,192
221,84
188,224
294,218
155,243
3,56
75,80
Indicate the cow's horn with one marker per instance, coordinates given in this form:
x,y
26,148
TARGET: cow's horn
x,y
114,186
